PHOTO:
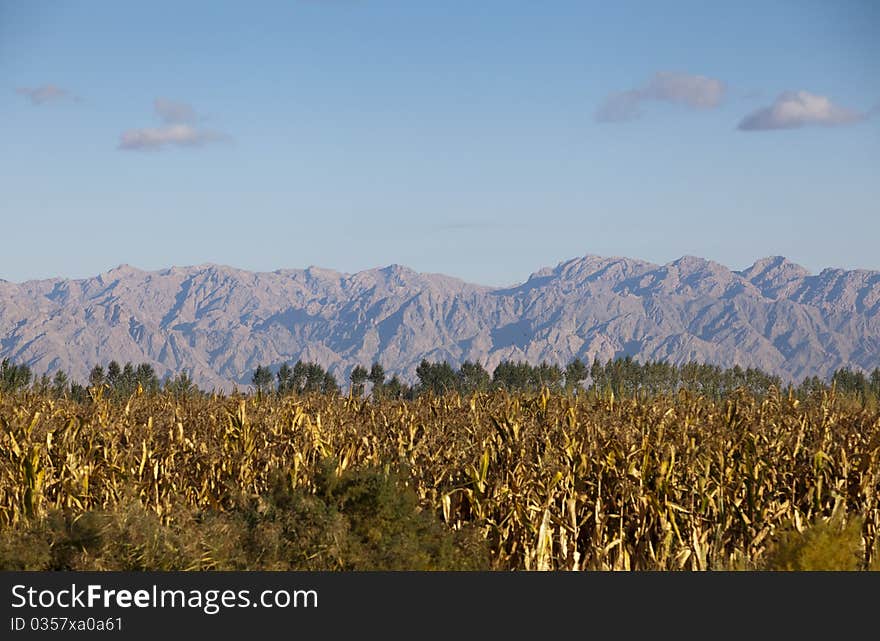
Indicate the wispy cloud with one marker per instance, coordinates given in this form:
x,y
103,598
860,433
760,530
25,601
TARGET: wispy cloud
x,y
697,92
180,129
173,112
794,109
44,94
154,138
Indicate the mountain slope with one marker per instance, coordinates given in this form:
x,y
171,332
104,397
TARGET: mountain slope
x,y
219,323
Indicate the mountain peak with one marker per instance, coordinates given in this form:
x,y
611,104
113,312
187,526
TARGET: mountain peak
x,y
394,269
592,266
124,268
691,264
771,264
321,272
690,259
775,276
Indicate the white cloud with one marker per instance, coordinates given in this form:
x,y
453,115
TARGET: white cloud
x,y
697,92
180,129
797,109
155,138
44,94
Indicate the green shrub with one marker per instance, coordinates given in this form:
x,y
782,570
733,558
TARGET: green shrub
x,y
826,545
27,549
364,519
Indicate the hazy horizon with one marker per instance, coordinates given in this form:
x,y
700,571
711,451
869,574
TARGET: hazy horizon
x,y
330,268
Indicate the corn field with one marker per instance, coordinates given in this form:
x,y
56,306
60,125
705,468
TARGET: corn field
x,y
550,481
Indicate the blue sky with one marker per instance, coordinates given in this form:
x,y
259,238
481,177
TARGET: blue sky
x,y
482,140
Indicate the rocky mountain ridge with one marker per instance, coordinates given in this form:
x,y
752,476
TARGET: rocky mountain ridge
x,y
219,323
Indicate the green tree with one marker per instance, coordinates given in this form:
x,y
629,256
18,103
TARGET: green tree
x,y
285,380
59,384
42,385
546,375
262,380
298,377
145,376
329,384
14,378
473,377
437,378
182,385
127,381
358,378
114,371
78,393
395,389
377,378
314,378
512,376
575,373
96,376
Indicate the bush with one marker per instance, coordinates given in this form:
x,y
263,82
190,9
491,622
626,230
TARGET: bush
x,y
129,538
361,520
365,519
826,545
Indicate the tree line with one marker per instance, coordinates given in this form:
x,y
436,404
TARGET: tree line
x,y
621,376
116,382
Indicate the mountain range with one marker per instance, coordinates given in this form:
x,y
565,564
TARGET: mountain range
x,y
218,323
